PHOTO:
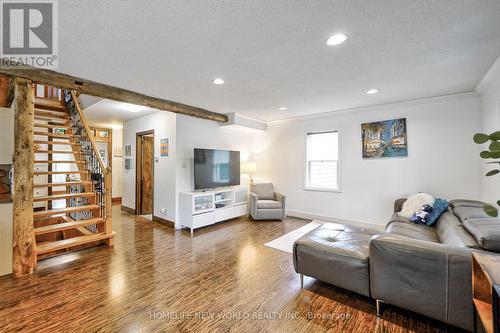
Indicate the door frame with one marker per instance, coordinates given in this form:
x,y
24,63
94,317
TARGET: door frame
x,y
138,171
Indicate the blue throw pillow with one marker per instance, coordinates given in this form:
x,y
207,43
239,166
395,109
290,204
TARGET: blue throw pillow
x,y
422,215
440,206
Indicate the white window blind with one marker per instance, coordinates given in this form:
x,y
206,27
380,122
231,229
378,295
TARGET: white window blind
x,y
323,160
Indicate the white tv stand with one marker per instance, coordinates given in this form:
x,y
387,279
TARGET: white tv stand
x,y
200,209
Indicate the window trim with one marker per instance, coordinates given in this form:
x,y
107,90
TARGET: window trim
x,y
339,165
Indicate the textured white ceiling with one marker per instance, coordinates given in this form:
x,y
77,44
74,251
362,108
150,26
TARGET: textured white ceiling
x,y
107,113
273,53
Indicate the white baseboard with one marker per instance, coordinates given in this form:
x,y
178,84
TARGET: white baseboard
x,y
311,216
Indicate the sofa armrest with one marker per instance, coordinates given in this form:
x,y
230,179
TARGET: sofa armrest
x,y
429,278
398,204
253,204
281,198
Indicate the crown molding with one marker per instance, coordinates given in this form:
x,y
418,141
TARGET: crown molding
x,y
379,107
491,74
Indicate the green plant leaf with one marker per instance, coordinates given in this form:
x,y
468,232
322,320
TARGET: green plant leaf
x,y
494,136
490,210
492,173
494,154
485,154
498,202
495,146
480,138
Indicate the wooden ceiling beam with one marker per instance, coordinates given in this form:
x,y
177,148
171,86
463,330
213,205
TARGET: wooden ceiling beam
x,y
65,81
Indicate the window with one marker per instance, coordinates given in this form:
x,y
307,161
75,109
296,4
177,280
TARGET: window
x,y
323,161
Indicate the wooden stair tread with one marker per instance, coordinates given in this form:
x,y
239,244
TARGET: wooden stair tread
x,y
83,182
45,103
52,119
71,242
66,225
54,135
57,152
64,196
40,125
61,211
57,162
44,109
36,173
41,142
51,114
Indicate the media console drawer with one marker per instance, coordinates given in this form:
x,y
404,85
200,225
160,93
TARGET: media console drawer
x,y
202,220
227,213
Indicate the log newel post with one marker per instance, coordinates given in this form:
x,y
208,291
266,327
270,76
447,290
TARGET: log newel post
x,y
108,228
24,251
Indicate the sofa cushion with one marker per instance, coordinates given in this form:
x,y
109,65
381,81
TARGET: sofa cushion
x,y
268,204
336,254
486,231
451,231
264,191
402,226
468,212
466,203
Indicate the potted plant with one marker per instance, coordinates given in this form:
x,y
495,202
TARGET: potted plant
x,y
493,154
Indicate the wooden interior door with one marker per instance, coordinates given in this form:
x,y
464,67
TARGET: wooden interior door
x,y
147,174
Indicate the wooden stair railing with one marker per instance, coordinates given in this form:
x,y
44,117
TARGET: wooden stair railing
x,y
100,174
87,219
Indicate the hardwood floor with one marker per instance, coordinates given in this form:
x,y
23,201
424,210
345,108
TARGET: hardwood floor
x,y
158,280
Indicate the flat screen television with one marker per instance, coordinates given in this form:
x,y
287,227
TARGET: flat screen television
x,y
216,168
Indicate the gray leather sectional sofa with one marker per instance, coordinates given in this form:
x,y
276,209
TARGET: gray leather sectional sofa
x,y
416,267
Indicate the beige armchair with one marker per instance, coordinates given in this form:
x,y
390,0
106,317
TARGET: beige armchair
x,y
265,203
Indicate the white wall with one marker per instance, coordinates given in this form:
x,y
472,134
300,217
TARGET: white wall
x,y
442,159
117,164
198,133
6,135
163,123
489,90
6,227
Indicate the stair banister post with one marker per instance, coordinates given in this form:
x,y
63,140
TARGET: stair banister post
x,y
24,251
108,183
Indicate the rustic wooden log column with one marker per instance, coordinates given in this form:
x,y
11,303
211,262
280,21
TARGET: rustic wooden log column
x,y
24,254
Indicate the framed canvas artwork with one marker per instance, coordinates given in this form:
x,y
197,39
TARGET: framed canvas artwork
x,y
383,139
164,147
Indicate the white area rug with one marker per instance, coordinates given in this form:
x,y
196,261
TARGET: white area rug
x,y
285,242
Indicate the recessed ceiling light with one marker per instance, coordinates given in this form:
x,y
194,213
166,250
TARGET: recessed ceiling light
x,y
283,108
372,91
218,81
336,39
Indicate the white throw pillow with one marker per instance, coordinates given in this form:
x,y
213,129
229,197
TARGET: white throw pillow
x,y
414,203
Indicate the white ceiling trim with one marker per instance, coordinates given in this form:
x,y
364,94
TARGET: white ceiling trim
x,y
493,73
380,107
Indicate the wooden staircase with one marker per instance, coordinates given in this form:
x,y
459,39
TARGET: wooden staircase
x,y
72,186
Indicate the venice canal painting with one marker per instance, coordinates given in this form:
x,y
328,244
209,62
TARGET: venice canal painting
x,y
385,139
